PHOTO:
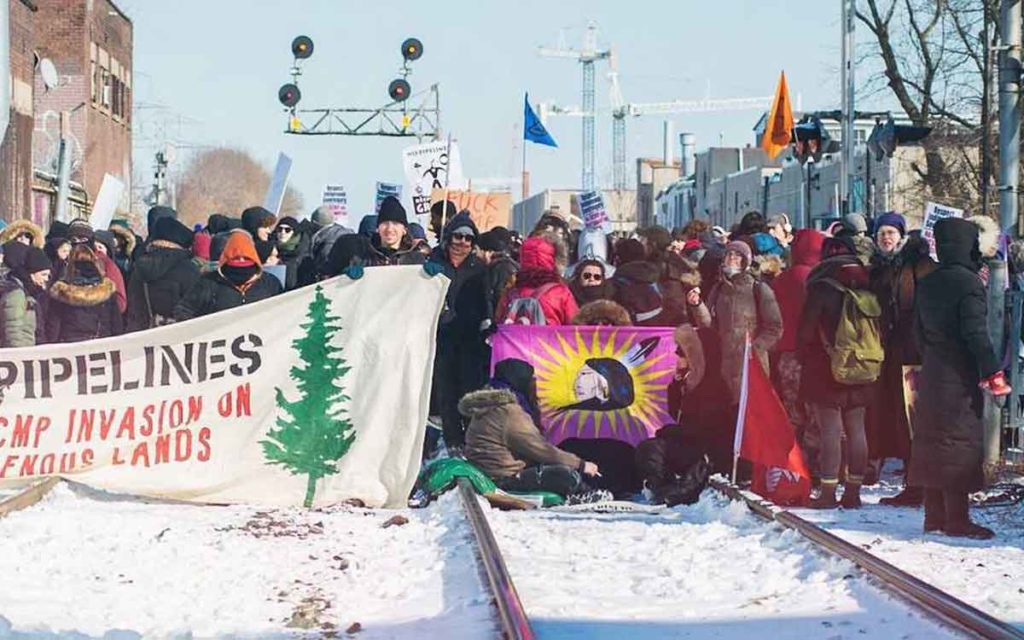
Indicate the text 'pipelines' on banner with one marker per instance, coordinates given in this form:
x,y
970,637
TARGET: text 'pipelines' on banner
x,y
286,401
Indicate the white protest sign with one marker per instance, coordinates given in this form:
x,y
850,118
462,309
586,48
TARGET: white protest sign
x,y
111,190
385,189
932,214
593,212
278,184
431,166
280,402
336,200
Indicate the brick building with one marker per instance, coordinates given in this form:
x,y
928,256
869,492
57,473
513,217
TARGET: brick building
x,y
90,44
16,150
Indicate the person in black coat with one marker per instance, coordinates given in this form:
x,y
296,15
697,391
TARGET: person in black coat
x,y
238,280
161,276
462,355
83,302
957,363
493,248
292,247
391,244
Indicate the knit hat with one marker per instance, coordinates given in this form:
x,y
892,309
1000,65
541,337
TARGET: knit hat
x,y
391,210
201,243
81,231
36,260
855,223
496,239
58,229
217,223
14,254
172,230
239,251
255,218
741,248
157,212
322,216
416,231
288,221
891,219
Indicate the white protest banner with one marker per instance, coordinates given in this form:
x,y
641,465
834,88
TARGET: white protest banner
x,y
593,212
278,184
385,189
313,397
932,214
336,200
431,166
106,203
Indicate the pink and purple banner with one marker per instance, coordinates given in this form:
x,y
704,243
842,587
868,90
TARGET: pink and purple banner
x,y
595,382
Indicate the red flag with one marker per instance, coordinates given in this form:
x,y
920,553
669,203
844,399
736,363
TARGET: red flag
x,y
765,437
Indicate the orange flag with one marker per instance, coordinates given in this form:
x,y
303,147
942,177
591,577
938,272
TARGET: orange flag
x,y
778,131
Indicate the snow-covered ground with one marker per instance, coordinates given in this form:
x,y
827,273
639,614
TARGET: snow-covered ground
x,y
712,570
82,562
986,574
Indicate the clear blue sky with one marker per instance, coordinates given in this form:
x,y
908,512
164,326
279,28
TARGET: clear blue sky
x,y
217,66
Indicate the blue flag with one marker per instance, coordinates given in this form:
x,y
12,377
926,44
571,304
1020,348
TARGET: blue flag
x,y
533,129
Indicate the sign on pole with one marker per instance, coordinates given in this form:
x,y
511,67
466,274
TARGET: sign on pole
x,y
932,214
278,184
106,202
435,165
385,189
593,211
336,200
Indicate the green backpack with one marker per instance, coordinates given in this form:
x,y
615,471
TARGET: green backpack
x,y
857,355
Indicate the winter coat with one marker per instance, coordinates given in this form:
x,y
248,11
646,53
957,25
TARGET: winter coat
x,y
736,310
313,266
405,254
674,288
292,254
817,328
112,271
83,311
538,277
790,287
501,275
213,292
466,309
168,272
637,289
18,316
952,330
501,438
19,227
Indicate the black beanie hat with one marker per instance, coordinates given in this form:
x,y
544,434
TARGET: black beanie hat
x,y
288,221
36,260
14,254
391,210
58,229
216,223
173,230
496,239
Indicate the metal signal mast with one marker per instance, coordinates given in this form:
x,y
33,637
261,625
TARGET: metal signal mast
x,y
586,56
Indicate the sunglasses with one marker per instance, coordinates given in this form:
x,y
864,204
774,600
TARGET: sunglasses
x,y
284,229
596,277
464,237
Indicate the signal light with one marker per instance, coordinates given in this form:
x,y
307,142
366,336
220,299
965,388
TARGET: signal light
x,y
289,95
399,90
302,47
412,49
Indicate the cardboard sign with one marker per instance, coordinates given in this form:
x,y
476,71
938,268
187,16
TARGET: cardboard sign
x,y
106,203
336,200
932,214
278,184
277,402
488,210
430,166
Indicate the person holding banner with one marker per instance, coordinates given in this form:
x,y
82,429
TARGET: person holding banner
x,y
391,245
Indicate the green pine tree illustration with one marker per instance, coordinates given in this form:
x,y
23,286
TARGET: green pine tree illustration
x,y
314,434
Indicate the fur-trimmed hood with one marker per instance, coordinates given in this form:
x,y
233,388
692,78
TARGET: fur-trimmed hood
x,y
688,340
18,227
988,235
602,312
83,295
479,402
126,236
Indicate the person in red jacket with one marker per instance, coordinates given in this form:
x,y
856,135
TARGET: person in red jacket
x,y
538,278
790,289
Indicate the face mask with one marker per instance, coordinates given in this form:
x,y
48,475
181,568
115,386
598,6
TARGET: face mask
x,y
730,271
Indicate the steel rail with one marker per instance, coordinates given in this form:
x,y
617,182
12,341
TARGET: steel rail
x,y
511,614
948,609
28,496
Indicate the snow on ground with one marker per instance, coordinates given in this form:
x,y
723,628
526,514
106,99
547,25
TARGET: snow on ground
x,y
82,562
711,570
986,574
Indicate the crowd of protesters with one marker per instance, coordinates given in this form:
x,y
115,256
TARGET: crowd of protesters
x,y
834,317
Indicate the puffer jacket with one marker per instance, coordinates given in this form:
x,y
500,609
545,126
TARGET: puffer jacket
x,y
169,272
790,287
18,315
501,438
213,292
538,277
83,311
736,311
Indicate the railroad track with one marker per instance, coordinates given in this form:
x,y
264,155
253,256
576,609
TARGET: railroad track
x,y
938,604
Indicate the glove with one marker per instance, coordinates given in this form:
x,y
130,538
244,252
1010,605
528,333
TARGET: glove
x,y
996,384
432,268
354,272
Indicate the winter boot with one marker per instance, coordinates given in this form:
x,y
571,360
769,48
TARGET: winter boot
x,y
967,530
851,493
827,498
909,497
934,510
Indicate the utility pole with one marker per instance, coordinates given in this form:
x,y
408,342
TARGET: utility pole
x,y
847,176
986,108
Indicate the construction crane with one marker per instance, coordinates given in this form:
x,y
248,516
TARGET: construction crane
x,y
621,109
586,56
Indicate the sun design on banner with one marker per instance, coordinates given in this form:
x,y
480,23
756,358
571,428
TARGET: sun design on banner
x,y
609,384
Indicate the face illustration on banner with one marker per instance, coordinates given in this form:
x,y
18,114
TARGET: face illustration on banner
x,y
603,383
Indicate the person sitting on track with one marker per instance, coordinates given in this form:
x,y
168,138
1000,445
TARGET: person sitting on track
x,y
505,441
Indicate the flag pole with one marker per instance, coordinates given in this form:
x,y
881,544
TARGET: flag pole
x,y
526,176
447,175
741,414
